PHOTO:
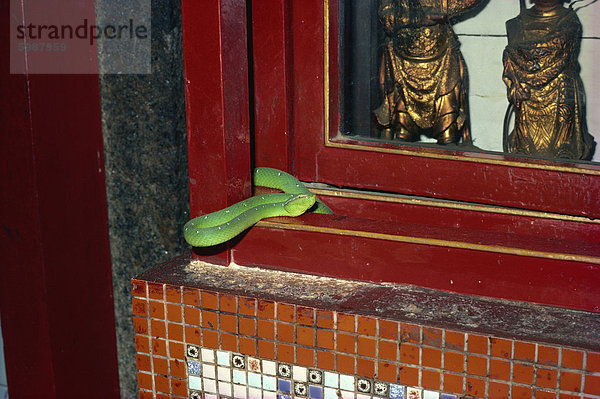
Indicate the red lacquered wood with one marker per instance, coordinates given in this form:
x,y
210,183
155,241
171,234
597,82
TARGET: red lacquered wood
x,y
563,283
273,89
216,71
56,287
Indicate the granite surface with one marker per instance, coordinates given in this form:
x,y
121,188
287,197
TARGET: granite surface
x,y
145,152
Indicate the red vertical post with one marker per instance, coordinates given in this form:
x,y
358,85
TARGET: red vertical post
x,y
217,106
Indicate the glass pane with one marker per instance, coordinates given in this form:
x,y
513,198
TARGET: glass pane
x,y
439,73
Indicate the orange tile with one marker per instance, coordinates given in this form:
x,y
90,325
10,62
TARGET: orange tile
x,y
227,303
475,387
346,343
305,336
366,346
388,350
501,347
175,332
210,319
228,322
477,365
409,353
248,346
453,383
266,329
345,364
174,313
567,396
146,395
192,316
266,309
408,375
522,373
142,344
140,307
524,351
247,326
388,329
570,381
247,306
305,315
387,372
499,369
156,291
431,357
138,288
325,339
572,359
547,355
266,349
454,361
325,360
210,339
593,362
365,367
143,362
285,332
179,387
209,300
193,335
345,322
140,326
161,366
158,329
162,384
162,396
176,350
285,353
229,342
430,379
286,312
544,395
455,340
477,344
367,326
305,357
325,319
592,384
546,378
432,336
520,392
172,293
177,368
156,309
191,296
410,333
498,390
159,347
144,380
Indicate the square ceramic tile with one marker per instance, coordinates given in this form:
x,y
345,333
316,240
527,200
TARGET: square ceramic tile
x,y
239,377
269,395
431,395
195,383
413,393
239,392
269,367
284,386
332,380
195,395
269,383
193,351
300,389
363,385
223,358
448,396
208,356
254,380
224,388
347,382
330,393
315,392
253,364
396,391
362,396
254,393
224,374
210,386
194,367
209,371
208,396
380,388
299,373
284,370
238,361
315,376
347,395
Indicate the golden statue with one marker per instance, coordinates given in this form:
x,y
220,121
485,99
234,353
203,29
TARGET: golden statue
x,y
541,73
422,72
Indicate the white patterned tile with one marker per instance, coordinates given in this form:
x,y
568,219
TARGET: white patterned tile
x,y
253,364
413,393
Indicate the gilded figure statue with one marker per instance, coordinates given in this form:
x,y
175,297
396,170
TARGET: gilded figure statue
x,y
422,72
541,72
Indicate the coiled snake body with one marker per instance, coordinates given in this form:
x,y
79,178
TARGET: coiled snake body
x,y
221,226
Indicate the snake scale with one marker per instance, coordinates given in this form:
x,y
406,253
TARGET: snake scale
x,y
221,226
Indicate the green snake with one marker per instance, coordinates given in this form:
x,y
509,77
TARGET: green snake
x,y
221,226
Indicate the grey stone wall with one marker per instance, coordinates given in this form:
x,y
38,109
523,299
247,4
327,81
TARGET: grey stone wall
x,y
145,150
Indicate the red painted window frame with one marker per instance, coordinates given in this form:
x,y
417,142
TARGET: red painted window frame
x,y
525,255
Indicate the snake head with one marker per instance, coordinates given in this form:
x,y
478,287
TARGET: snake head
x,y
299,204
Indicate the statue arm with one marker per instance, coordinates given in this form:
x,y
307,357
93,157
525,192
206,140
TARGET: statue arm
x,y
457,7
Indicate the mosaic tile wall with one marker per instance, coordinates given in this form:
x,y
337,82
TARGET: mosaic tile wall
x,y
192,343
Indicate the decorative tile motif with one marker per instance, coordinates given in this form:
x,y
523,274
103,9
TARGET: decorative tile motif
x,y
315,376
193,351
